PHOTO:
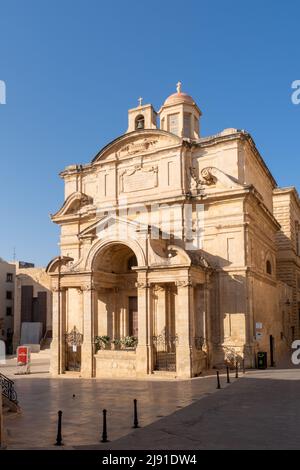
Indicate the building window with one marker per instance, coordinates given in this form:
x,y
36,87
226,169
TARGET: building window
x,y
269,267
187,125
9,277
8,311
173,123
140,122
8,295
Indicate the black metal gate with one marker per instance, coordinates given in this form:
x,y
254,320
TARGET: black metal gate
x,y
164,350
74,341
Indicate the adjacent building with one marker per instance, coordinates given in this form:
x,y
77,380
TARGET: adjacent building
x,y
25,304
178,252
33,306
7,293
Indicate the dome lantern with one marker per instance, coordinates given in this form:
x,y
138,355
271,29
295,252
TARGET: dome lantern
x,y
180,115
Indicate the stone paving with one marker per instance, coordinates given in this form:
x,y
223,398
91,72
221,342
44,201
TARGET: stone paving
x,y
41,396
260,411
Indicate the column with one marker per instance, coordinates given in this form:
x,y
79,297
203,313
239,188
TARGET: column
x,y
87,351
55,349
143,348
208,331
184,324
160,313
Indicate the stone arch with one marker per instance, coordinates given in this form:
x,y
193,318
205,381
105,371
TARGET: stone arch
x,y
100,245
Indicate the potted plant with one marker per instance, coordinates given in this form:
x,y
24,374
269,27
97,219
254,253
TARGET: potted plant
x,y
118,343
102,342
130,342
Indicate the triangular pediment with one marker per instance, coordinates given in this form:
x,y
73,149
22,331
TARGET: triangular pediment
x,y
113,226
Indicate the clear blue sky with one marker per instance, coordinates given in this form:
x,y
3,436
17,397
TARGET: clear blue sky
x,y
73,68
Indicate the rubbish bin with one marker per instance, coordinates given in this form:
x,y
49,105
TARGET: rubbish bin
x,y
262,360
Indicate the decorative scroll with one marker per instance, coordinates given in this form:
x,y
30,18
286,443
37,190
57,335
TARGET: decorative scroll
x,y
137,147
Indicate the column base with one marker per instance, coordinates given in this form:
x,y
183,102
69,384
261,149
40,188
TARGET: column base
x,y
183,363
142,361
87,361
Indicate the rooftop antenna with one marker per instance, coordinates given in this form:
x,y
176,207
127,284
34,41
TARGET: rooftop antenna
x,y
14,254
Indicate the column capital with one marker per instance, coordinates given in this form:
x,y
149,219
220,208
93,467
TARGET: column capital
x,y
182,284
58,289
142,285
89,286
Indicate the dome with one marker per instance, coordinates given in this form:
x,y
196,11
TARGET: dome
x,y
178,98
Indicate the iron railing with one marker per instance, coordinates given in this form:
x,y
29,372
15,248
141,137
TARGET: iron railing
x,y
164,349
8,389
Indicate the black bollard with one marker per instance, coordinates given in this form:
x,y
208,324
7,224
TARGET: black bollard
x,y
228,376
244,366
236,370
59,436
135,419
104,432
218,380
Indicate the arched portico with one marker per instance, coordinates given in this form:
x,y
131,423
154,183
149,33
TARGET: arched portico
x,y
132,318
120,308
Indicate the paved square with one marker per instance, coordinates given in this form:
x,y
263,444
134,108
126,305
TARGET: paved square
x,y
41,397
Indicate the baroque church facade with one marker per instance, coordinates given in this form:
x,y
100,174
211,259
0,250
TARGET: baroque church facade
x,y
179,253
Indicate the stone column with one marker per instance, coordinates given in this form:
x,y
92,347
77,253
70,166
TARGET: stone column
x,y
116,325
160,313
87,350
184,327
143,348
208,331
55,348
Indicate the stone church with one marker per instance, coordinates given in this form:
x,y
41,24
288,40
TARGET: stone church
x,y
179,253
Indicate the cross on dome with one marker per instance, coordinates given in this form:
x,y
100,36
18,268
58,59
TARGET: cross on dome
x,y
140,100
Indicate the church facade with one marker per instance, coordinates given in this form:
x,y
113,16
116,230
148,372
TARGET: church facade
x,y
179,253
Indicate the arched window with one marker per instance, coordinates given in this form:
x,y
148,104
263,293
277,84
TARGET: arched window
x,y
269,267
132,261
139,122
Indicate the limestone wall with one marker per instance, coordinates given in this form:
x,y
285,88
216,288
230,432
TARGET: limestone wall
x,y
115,364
